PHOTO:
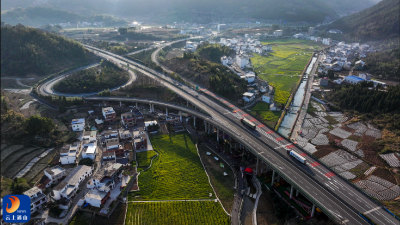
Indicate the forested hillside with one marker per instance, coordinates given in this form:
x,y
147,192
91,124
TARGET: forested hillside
x,y
26,50
365,100
208,74
106,76
378,22
214,52
195,11
384,65
38,16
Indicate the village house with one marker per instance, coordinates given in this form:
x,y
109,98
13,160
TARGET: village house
x,y
68,153
78,124
51,176
108,176
324,82
248,96
109,114
128,119
124,133
67,188
37,198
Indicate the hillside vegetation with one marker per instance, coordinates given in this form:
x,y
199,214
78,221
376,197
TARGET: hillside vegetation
x,y
378,22
38,16
208,74
384,65
106,76
214,52
196,11
26,50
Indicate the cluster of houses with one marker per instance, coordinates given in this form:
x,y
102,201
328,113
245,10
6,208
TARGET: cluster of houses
x,y
114,146
340,56
246,45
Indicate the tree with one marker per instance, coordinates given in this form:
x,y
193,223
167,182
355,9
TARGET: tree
x,y
331,75
37,124
86,161
122,31
275,27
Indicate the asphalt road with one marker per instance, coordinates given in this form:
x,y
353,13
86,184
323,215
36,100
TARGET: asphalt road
x,y
47,87
336,197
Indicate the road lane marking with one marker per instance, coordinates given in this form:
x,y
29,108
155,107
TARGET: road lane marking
x,y
370,211
331,174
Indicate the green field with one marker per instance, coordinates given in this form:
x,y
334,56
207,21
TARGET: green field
x,y
144,159
283,86
190,213
268,117
224,185
284,65
175,174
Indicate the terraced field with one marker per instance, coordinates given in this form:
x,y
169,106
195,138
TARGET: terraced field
x,y
192,212
175,174
18,159
144,159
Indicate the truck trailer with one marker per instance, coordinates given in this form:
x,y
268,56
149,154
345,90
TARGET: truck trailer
x,y
297,156
248,123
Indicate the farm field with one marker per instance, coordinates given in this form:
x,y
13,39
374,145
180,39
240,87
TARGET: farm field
x,y
21,162
261,110
178,212
81,218
176,174
116,218
7,151
13,158
39,166
144,159
283,66
223,185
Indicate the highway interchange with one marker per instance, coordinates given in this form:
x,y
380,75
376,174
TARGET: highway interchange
x,y
332,194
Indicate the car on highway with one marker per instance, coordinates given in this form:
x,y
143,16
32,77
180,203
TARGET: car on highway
x,y
234,111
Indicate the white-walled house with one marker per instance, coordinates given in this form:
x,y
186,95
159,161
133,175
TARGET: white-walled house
x,y
78,124
68,153
37,198
266,98
97,197
250,76
68,187
89,151
54,174
242,61
248,96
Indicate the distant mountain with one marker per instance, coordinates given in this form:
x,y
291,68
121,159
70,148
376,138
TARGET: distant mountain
x,y
26,50
378,22
346,7
188,10
38,16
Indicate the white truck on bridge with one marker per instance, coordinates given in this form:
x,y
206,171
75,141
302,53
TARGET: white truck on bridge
x,y
297,156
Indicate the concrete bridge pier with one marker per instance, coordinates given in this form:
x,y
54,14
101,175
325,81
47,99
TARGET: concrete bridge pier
x,y
120,104
291,192
187,103
218,135
313,210
194,122
205,126
273,177
297,193
136,105
257,165
166,111
180,116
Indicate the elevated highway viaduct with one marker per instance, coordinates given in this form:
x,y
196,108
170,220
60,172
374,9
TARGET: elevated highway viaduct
x,y
336,197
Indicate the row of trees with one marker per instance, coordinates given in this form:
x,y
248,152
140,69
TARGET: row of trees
x,y
26,50
93,80
366,98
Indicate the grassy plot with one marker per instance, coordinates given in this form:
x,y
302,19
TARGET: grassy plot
x,y
176,173
283,86
268,117
144,159
81,218
193,212
223,185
